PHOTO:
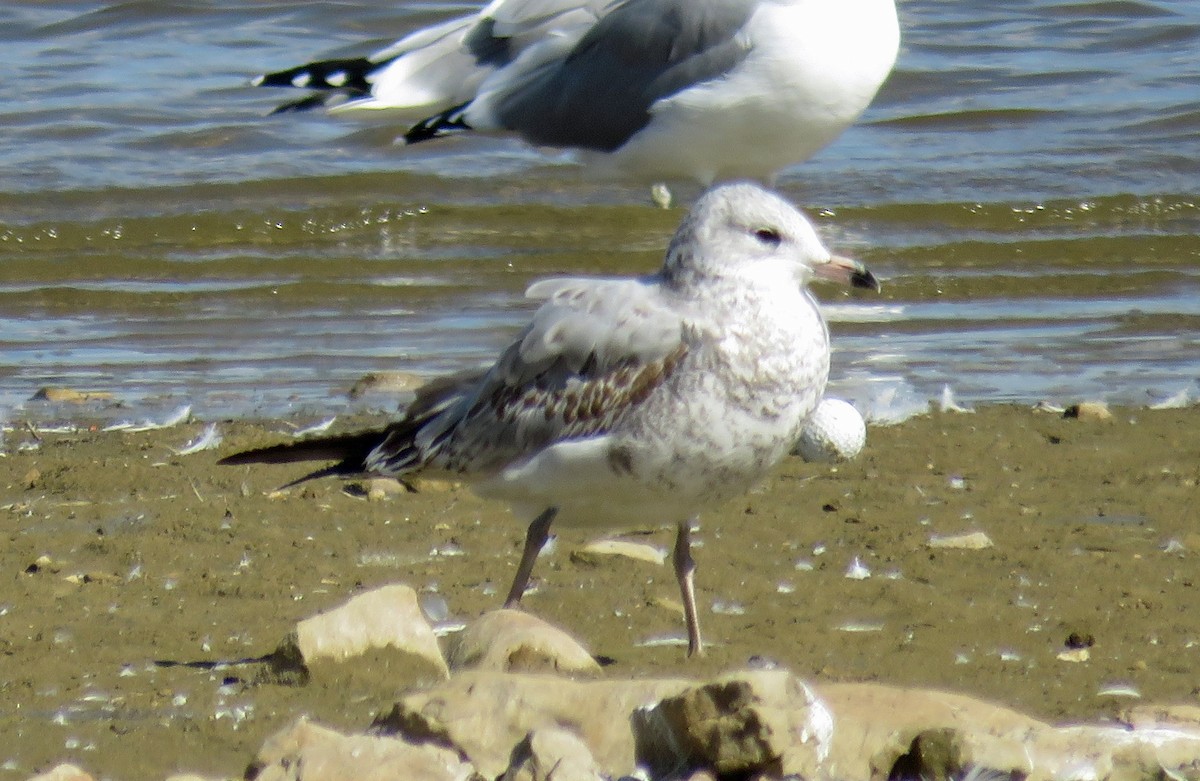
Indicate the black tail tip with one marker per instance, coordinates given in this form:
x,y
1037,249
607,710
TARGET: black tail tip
x,y
443,124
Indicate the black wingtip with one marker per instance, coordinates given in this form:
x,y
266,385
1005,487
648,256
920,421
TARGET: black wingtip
x,y
449,121
335,81
350,75
866,280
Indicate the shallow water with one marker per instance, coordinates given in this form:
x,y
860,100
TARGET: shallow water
x,y
1025,184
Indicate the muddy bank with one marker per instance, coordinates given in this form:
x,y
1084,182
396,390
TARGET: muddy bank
x,y
128,570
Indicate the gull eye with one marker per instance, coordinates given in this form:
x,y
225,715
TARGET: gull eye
x,y
768,236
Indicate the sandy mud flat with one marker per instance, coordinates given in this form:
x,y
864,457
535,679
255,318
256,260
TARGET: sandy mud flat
x,y
1045,563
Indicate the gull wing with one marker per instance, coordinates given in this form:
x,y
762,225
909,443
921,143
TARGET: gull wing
x,y
593,349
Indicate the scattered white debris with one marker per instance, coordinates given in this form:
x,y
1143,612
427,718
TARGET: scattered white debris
x,y
855,627
1174,546
662,641
1178,400
722,607
1119,690
209,438
434,606
966,541
443,628
316,428
857,570
949,404
893,400
174,418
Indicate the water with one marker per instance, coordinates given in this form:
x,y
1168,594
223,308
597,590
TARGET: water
x,y
1026,184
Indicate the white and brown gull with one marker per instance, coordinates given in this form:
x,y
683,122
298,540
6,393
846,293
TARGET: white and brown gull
x,y
709,90
635,400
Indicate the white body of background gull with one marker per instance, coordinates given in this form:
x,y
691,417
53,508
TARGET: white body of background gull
x,y
632,401
703,89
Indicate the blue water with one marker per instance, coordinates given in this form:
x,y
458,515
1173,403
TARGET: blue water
x,y
1025,183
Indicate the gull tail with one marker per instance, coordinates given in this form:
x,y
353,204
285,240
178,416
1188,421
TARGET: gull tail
x,y
348,451
336,81
393,449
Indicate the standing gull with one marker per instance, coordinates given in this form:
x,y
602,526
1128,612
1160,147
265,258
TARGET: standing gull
x,y
709,90
627,401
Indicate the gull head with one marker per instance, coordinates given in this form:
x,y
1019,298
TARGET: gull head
x,y
742,230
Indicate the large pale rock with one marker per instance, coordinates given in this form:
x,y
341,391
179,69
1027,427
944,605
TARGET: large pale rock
x,y
768,724
314,753
878,725
64,772
70,395
552,754
515,641
486,714
387,618
758,721
884,731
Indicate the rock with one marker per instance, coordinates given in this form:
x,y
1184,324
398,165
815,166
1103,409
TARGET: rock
x,y
314,753
756,721
42,563
63,772
967,541
515,641
835,432
882,727
486,714
888,732
552,754
1145,717
433,485
380,488
1074,655
595,552
70,396
385,618
1088,411
390,383
768,724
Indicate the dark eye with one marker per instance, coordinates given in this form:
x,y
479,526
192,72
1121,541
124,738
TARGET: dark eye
x,y
768,236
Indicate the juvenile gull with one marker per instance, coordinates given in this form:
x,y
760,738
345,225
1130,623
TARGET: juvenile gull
x,y
635,400
709,90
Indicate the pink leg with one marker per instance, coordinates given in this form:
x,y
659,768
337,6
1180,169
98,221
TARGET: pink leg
x,y
535,538
685,571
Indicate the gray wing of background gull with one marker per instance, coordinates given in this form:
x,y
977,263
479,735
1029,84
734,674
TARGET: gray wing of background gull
x,y
594,348
596,93
558,72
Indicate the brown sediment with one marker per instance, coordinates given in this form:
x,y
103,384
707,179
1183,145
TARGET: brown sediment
x,y
129,570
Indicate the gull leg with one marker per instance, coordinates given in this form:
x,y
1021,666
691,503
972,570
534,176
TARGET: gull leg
x,y
535,538
685,572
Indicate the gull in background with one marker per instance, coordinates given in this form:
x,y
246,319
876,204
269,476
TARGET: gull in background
x,y
634,400
709,90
